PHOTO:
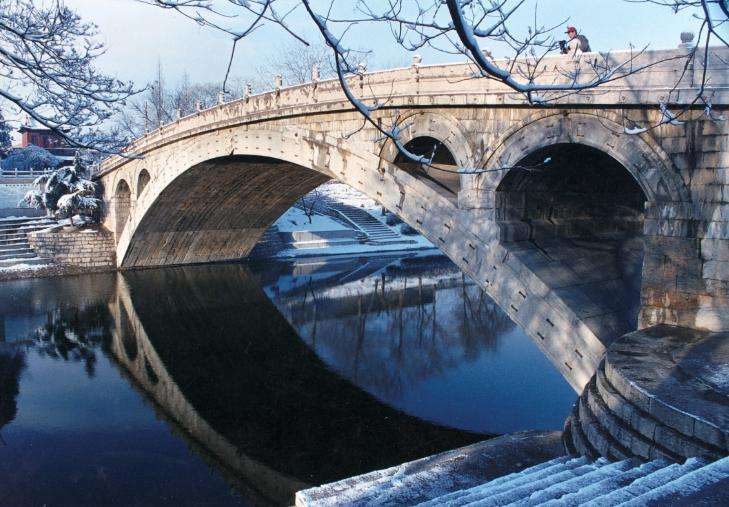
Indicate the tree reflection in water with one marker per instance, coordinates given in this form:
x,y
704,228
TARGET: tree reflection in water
x,y
413,320
12,363
213,351
74,334
70,333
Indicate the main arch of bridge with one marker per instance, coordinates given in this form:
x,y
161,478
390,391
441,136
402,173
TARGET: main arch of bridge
x,y
248,178
209,197
212,201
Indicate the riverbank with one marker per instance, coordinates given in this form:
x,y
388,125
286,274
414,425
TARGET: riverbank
x,y
22,271
332,221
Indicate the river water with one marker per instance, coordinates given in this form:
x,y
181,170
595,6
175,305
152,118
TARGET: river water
x,y
238,384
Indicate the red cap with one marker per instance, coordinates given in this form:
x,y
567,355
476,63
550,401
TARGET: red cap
x,y
571,29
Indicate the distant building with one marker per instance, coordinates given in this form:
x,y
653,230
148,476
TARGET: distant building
x,y
48,140
39,150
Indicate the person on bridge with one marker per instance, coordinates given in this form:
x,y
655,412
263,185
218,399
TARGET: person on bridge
x,y
576,45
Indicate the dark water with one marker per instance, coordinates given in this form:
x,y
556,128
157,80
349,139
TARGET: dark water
x,y
235,384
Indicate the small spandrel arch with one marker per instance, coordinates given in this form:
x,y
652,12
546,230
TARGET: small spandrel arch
x,y
122,206
142,181
444,169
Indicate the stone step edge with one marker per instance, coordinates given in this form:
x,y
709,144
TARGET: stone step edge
x,y
676,419
569,445
604,472
15,247
634,441
25,254
593,492
510,480
598,436
4,229
646,425
579,440
494,458
683,487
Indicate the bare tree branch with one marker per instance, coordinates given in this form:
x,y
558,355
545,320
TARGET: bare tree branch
x,y
47,61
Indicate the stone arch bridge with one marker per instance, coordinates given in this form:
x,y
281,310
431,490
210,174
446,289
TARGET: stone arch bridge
x,y
619,231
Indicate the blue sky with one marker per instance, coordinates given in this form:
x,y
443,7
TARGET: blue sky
x,y
138,36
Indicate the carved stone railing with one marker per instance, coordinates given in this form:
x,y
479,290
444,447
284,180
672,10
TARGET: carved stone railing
x,y
450,85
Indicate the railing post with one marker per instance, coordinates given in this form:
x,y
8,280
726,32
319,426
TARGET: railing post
x,y
417,60
361,69
314,81
277,84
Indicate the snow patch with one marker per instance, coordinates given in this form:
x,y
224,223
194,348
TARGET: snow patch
x,y
22,266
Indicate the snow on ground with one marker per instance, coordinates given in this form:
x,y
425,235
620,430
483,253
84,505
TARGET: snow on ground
x,y
12,193
296,220
346,194
355,249
14,217
22,266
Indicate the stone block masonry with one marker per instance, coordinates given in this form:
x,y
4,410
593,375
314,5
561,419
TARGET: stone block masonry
x,y
88,248
209,185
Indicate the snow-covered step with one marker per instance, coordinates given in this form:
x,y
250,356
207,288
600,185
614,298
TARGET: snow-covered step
x,y
25,224
18,256
608,423
694,485
4,222
15,221
375,230
528,486
557,482
13,236
23,230
601,473
511,480
33,261
14,245
600,487
16,249
500,459
647,483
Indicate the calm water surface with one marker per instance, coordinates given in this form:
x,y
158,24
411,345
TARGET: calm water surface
x,y
240,384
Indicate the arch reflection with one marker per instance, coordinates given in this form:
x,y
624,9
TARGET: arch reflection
x,y
232,375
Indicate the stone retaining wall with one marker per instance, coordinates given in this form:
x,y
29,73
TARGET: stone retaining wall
x,y
86,248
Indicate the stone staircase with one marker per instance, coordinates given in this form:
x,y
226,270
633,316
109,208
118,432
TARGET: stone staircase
x,y
650,428
562,481
375,230
14,246
578,481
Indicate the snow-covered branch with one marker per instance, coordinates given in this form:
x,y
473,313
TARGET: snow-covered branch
x,y
65,192
47,64
463,27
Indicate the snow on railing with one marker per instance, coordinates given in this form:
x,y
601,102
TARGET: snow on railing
x,y
30,173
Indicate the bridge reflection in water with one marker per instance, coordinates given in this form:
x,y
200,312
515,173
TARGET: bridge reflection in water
x,y
238,361
418,334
